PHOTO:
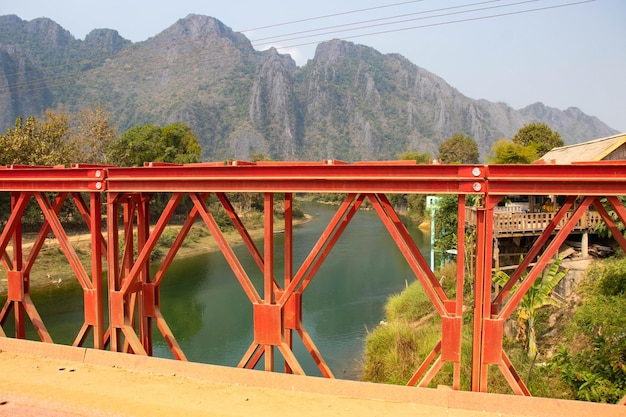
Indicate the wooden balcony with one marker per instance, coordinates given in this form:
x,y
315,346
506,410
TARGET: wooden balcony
x,y
514,221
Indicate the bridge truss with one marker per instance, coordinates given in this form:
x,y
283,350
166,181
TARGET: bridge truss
x,y
115,204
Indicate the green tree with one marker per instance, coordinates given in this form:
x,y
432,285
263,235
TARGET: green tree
x,y
137,145
38,142
509,152
459,149
540,136
180,144
538,295
175,143
46,142
420,158
446,216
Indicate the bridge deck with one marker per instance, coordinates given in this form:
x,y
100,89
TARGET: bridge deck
x,y
38,379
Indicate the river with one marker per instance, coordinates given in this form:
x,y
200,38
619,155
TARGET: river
x,y
211,317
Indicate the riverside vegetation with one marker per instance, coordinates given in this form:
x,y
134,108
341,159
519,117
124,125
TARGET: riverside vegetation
x,y
581,343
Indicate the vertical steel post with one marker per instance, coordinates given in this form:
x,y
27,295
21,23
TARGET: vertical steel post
x,y
116,301
268,270
458,305
482,265
95,210
17,274
288,272
143,231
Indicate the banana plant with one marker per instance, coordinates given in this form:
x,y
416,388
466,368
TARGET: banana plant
x,y
539,295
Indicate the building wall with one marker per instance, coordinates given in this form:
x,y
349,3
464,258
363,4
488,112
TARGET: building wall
x,y
619,153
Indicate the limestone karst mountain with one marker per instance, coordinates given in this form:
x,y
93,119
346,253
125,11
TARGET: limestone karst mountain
x,y
349,102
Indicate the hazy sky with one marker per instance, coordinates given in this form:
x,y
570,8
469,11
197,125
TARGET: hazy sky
x,y
515,51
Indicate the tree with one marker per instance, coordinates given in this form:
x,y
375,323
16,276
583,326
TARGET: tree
x,y
92,133
459,149
174,143
509,152
420,158
446,220
34,142
540,136
45,142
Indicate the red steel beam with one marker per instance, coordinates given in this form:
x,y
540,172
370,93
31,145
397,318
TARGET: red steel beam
x,y
344,178
53,179
598,180
92,297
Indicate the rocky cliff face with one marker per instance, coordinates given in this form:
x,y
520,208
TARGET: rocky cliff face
x,y
349,102
23,88
272,103
572,123
105,40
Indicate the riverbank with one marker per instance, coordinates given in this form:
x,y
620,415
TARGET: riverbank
x,y
53,269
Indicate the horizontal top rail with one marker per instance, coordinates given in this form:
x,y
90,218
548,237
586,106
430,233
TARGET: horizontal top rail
x,y
301,177
91,178
599,179
330,176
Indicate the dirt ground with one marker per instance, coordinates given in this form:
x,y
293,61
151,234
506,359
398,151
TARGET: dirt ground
x,y
38,379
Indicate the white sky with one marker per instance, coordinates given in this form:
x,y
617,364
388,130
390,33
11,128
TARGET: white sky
x,y
573,56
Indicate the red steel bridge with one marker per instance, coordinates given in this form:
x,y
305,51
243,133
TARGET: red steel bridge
x,y
115,204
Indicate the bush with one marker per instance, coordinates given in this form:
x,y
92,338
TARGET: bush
x,y
167,237
297,212
593,361
610,276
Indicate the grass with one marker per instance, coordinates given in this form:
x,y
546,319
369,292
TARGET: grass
x,y
396,348
408,305
393,351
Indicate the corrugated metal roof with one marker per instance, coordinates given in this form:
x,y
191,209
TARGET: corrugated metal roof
x,y
595,150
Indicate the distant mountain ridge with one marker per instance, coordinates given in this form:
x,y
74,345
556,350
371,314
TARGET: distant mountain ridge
x,y
349,102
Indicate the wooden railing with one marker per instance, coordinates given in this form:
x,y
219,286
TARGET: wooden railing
x,y
511,221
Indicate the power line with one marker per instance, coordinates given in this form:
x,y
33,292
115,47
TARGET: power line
x,y
443,23
330,15
411,20
257,41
